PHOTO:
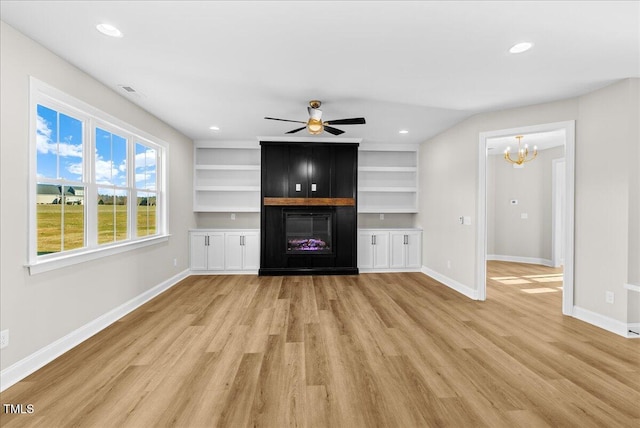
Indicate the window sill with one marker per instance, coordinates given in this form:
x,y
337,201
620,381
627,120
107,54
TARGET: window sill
x,y
66,260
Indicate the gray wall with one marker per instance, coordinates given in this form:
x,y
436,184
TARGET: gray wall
x,y
606,132
41,309
507,233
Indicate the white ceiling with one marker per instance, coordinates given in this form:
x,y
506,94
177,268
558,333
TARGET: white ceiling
x,y
417,65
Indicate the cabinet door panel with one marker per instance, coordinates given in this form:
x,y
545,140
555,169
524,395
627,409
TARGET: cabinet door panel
x,y
413,250
398,250
251,251
381,250
215,252
365,250
233,251
198,251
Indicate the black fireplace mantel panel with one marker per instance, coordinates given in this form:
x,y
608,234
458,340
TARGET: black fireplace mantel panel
x,y
308,177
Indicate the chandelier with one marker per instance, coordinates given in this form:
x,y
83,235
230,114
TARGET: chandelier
x,y
523,153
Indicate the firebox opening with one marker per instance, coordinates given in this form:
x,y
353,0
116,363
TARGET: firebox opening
x,y
308,232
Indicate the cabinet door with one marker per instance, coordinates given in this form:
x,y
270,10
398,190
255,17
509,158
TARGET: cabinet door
x,y
233,251
381,250
365,250
215,251
398,250
413,250
198,251
251,251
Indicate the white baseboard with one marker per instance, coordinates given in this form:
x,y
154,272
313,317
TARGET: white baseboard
x,y
517,259
451,283
43,356
614,326
632,287
223,272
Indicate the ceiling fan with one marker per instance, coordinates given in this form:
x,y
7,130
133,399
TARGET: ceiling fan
x,y
315,125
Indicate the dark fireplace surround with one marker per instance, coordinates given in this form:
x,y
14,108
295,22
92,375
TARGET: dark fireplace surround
x,y
309,209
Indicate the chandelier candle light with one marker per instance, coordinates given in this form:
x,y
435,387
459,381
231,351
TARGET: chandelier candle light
x,y
523,153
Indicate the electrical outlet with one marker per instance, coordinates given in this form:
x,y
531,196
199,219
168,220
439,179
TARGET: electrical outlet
x,y
381,216
449,264
4,338
609,297
233,216
175,262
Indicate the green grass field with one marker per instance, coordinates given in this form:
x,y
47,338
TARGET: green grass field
x,y
112,225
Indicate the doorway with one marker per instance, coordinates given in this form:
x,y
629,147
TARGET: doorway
x,y
562,244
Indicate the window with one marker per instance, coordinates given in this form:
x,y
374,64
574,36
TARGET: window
x,y
97,183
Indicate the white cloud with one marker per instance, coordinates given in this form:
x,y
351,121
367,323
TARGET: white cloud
x,y
146,159
45,145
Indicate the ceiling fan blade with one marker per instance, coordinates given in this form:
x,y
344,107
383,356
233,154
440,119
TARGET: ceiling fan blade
x,y
352,121
296,130
285,120
332,130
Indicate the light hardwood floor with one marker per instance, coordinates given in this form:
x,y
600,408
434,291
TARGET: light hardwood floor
x,y
395,350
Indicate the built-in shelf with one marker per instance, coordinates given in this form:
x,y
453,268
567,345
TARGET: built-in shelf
x,y
226,177
388,179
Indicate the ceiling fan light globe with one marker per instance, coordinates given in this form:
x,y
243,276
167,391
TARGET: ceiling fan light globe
x,y
314,126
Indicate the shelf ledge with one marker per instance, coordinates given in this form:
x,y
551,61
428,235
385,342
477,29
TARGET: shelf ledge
x,y
326,202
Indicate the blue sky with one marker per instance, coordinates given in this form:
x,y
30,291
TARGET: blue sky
x,y
60,152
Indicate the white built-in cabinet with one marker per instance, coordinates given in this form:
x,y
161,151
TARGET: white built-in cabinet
x,y
242,251
373,249
405,249
226,177
224,251
206,251
389,250
388,179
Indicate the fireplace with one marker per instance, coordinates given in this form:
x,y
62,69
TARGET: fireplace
x,y
308,232
308,214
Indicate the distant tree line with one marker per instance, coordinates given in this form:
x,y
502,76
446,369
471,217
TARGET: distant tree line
x,y
110,200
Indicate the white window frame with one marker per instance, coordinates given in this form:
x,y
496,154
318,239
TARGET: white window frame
x,y
44,94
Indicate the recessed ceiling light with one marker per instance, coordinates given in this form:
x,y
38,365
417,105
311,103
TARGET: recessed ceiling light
x,y
109,30
214,128
403,131
521,47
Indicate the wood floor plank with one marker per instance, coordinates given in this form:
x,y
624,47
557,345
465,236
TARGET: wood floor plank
x,y
388,350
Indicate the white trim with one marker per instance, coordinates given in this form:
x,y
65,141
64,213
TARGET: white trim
x,y
388,270
70,259
614,326
43,356
632,287
229,144
309,140
633,330
557,168
517,259
383,147
481,236
451,283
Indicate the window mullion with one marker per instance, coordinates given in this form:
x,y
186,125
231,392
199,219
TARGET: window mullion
x,y
91,198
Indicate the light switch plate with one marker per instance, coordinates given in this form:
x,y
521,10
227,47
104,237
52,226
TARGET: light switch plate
x,y
298,187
